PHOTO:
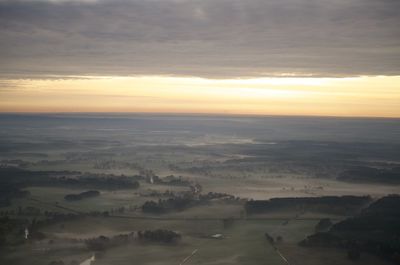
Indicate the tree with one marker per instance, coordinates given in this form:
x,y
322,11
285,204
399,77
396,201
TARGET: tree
x,y
269,238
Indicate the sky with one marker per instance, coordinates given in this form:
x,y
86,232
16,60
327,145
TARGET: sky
x,y
270,57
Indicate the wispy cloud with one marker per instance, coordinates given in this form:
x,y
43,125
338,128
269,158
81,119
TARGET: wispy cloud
x,y
207,38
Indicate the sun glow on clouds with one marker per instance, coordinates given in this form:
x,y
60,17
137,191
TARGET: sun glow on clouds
x,y
357,96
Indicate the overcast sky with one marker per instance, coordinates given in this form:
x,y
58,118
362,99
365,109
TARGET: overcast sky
x,y
204,38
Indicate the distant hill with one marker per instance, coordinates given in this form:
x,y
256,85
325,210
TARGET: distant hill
x,y
375,230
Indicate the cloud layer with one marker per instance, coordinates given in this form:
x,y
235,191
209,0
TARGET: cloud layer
x,y
207,38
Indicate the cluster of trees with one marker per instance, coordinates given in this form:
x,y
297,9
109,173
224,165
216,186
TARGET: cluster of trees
x,y
14,179
156,193
273,240
102,243
98,182
330,204
171,180
270,239
82,195
159,235
369,174
171,204
179,203
324,239
112,164
217,195
354,234
60,262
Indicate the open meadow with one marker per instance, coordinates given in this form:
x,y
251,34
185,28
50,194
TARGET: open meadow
x,y
145,194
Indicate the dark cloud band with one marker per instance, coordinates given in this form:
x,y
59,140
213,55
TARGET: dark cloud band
x,y
208,38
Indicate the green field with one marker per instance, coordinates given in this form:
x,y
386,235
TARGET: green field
x,y
243,243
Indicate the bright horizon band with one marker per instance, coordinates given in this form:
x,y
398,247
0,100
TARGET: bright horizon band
x,y
365,96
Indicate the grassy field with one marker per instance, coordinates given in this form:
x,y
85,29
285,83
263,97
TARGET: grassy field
x,y
53,196
243,243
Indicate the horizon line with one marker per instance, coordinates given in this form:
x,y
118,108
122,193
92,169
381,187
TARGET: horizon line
x,y
191,114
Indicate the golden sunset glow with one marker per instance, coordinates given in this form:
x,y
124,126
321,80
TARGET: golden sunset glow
x,y
199,132
356,96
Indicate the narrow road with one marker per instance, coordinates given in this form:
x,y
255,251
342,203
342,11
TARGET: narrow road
x,y
189,257
282,257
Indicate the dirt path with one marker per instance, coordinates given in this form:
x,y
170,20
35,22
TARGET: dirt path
x,y
189,257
